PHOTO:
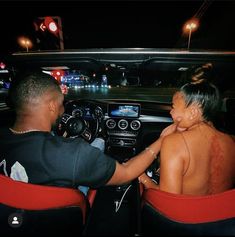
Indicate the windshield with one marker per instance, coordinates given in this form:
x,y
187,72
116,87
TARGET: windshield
x,y
151,80
117,82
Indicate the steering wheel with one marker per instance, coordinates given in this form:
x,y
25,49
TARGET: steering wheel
x,y
72,126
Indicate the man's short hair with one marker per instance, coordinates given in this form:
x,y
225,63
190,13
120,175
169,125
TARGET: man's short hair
x,y
31,86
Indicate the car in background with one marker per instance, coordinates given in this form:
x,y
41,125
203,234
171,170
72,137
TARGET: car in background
x,y
124,96
5,77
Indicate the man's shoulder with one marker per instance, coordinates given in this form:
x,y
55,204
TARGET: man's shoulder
x,y
4,132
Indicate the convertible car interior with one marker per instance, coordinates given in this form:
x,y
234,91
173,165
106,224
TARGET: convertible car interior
x,y
123,96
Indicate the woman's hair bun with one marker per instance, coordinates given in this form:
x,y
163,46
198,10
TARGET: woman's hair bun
x,y
202,73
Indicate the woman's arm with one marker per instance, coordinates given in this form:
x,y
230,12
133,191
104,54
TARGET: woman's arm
x,y
147,181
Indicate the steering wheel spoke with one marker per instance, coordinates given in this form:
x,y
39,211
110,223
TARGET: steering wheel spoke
x,y
87,134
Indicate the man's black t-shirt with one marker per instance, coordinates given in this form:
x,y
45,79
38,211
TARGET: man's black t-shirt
x,y
41,158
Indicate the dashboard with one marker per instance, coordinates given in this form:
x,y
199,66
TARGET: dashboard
x,y
127,127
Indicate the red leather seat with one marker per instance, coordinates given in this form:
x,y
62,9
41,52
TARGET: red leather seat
x,y
45,209
172,214
91,196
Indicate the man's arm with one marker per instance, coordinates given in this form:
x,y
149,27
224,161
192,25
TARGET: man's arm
x,y
137,165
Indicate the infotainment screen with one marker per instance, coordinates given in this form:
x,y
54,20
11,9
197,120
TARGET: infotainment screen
x,y
124,110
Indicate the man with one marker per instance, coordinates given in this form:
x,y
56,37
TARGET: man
x,y
197,159
30,153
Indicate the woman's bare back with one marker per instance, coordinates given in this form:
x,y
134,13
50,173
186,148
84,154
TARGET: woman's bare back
x,y
210,165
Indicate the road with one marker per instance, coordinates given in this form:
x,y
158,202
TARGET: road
x,y
134,93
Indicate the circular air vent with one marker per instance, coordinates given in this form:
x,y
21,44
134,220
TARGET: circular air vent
x,y
135,125
122,124
110,123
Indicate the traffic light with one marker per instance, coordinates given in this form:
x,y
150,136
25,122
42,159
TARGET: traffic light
x,y
46,24
51,25
42,26
49,29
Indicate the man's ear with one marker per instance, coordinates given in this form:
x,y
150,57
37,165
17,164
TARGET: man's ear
x,y
52,106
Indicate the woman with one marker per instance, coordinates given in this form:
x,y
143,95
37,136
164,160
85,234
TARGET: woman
x,y
197,159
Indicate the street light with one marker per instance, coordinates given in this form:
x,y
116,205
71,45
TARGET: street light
x,y
189,27
25,42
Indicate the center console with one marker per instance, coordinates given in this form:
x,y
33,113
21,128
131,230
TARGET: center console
x,y
122,128
118,207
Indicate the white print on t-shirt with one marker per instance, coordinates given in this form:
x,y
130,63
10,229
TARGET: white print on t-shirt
x,y
3,164
18,173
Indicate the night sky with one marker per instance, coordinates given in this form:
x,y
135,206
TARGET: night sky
x,y
112,24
